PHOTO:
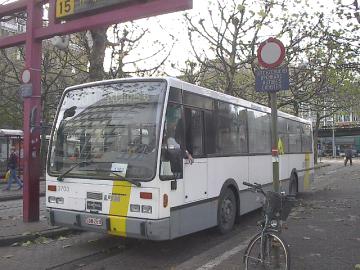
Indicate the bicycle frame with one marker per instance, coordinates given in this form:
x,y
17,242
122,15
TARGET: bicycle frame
x,y
268,231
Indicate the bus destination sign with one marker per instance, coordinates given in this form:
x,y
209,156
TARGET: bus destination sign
x,y
272,80
66,8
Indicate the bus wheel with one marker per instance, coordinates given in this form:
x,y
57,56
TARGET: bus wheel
x,y
293,187
226,211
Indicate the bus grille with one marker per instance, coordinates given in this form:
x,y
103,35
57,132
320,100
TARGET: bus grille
x,y
94,196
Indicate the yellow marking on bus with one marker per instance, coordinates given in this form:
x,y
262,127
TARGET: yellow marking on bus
x,y
280,147
120,208
307,172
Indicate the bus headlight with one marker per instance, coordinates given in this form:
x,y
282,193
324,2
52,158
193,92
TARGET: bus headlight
x,y
146,209
134,208
60,200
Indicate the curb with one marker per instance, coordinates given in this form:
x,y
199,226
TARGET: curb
x,y
16,197
58,231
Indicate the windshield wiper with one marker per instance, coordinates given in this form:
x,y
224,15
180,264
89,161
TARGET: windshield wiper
x,y
61,176
136,183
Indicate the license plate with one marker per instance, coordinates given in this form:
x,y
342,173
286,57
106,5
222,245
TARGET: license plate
x,y
94,221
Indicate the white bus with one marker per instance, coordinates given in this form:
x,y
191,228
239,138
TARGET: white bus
x,y
132,174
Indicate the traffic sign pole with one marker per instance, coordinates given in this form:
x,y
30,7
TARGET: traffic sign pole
x,y
271,54
274,145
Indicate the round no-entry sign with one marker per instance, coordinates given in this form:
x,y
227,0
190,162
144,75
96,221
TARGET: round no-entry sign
x,y
271,53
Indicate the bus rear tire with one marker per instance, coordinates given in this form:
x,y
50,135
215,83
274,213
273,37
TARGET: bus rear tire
x,y
226,211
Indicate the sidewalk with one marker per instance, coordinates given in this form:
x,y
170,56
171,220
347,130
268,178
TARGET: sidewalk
x,y
323,229
12,228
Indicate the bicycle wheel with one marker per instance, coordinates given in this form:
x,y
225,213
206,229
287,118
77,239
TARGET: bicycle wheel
x,y
272,243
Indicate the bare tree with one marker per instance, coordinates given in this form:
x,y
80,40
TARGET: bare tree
x,y
131,54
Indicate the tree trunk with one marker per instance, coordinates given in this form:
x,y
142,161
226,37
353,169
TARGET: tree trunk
x,y
296,108
97,56
232,65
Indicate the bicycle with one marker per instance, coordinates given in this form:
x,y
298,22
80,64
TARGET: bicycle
x,y
267,250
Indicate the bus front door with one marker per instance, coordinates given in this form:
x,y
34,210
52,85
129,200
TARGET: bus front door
x,y
195,174
195,180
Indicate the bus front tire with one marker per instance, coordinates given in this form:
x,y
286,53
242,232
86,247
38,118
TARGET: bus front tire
x,y
226,211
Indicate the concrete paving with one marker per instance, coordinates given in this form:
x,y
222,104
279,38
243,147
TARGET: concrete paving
x,y
12,227
323,229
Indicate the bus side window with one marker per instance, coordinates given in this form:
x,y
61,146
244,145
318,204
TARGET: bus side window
x,y
210,132
194,132
172,144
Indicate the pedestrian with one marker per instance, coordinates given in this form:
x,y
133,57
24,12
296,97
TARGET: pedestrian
x,y
12,166
348,155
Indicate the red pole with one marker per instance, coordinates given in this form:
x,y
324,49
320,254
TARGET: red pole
x,y
32,115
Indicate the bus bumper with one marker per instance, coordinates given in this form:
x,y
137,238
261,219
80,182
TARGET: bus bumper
x,y
156,230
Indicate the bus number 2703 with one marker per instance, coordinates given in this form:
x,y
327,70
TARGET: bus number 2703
x,y
63,189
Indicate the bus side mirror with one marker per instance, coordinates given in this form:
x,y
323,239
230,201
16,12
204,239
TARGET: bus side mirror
x,y
176,160
174,185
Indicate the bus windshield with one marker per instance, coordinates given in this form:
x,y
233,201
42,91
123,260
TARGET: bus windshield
x,y
111,130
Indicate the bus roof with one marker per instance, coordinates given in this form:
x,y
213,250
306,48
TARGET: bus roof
x,y
175,82
11,132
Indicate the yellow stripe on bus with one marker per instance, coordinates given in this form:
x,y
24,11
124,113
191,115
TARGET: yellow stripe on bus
x,y
119,208
307,172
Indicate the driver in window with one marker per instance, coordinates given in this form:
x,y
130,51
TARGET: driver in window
x,y
174,137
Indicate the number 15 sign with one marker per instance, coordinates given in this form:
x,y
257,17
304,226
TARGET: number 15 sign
x,y
66,8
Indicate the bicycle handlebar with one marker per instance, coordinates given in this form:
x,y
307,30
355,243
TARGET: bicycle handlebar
x,y
255,185
258,188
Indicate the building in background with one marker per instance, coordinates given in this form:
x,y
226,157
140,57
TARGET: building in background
x,y
338,133
12,25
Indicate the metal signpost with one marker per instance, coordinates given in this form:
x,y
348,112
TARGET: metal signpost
x,y
90,14
271,54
